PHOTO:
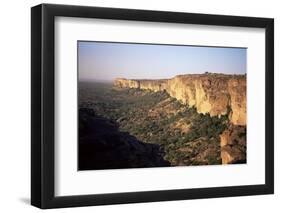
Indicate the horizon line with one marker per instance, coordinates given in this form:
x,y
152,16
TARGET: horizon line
x,y
195,74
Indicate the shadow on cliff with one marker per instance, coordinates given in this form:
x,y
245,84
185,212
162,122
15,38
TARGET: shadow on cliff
x,y
103,146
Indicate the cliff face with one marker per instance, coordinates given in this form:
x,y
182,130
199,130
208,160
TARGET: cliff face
x,y
215,94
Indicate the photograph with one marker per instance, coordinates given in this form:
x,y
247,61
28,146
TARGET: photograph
x,y
160,105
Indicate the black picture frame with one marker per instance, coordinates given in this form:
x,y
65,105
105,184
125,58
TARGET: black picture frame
x,y
43,117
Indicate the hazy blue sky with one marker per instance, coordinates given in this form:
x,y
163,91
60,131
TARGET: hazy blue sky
x,y
107,61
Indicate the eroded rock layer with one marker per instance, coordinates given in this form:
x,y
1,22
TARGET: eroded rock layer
x,y
216,94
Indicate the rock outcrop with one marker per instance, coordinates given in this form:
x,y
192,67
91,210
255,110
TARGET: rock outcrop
x,y
233,145
216,94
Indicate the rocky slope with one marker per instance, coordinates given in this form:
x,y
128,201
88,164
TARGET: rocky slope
x,y
216,94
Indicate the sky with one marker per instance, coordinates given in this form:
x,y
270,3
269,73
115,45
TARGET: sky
x,y
105,61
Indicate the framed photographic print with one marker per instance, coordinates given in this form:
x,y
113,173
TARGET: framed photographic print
x,y
140,106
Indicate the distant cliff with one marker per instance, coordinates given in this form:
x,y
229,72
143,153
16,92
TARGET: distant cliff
x,y
216,94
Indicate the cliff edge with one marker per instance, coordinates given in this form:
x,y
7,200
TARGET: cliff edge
x,y
216,94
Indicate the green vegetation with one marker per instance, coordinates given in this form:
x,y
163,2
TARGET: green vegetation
x,y
186,137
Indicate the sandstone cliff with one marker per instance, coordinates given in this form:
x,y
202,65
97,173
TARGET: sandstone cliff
x,y
216,94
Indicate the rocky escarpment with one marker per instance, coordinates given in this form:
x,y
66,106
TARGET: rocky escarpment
x,y
216,94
